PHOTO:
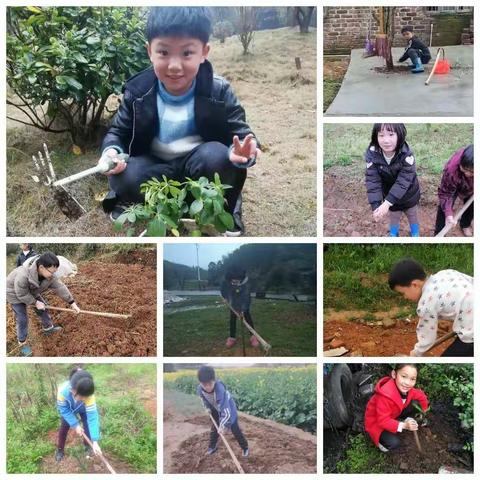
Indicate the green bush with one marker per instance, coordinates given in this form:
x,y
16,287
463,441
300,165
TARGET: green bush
x,y
68,60
284,394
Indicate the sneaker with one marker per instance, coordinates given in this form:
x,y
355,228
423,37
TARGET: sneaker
x,y
89,452
212,450
467,231
117,211
52,329
231,342
59,454
382,448
245,452
233,233
25,350
254,341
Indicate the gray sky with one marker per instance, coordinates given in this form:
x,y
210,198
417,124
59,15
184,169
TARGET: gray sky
x,y
185,253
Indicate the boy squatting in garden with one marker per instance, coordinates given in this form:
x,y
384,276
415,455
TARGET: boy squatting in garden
x,y
235,291
416,50
447,294
457,182
220,404
391,177
178,118
25,286
388,411
76,398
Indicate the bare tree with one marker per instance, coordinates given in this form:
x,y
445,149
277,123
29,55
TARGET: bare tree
x,y
386,22
303,16
246,24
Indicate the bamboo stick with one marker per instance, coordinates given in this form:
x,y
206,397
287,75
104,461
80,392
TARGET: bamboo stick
x,y
230,451
89,312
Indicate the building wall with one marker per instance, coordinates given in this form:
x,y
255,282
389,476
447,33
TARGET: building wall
x,y
346,28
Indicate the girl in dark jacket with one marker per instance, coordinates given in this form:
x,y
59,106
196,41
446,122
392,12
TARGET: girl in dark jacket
x,y
391,177
236,293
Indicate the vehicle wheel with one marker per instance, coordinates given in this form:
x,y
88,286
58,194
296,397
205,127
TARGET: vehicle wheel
x,y
338,393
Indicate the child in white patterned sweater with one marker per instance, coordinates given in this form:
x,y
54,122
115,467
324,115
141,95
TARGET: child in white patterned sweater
x,y
447,294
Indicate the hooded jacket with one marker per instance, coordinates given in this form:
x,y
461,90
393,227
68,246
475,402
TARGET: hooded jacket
x,y
24,286
68,408
386,405
396,182
223,403
454,184
238,296
218,114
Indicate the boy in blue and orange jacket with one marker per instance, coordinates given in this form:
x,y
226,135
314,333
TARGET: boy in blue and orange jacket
x,y
76,398
220,404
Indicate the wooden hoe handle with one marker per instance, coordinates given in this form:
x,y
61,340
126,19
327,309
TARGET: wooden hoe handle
x,y
89,312
456,217
230,451
102,458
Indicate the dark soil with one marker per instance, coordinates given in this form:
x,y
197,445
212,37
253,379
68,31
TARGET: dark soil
x,y
126,288
364,340
347,213
401,69
436,439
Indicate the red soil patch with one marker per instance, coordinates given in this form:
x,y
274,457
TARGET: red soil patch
x,y
106,287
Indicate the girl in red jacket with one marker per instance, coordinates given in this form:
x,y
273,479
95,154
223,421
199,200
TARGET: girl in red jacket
x,y
388,411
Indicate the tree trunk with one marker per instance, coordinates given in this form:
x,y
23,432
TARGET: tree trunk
x,y
304,17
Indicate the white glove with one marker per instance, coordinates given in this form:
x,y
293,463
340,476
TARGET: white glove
x,y
75,307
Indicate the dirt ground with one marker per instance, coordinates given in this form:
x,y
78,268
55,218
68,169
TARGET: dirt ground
x,y
347,213
75,462
117,286
438,441
385,336
274,448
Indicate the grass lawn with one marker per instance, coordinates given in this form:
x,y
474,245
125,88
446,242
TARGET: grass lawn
x,y
290,327
433,144
356,276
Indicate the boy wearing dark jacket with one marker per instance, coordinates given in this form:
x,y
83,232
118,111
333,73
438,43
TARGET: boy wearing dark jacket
x,y
235,291
26,253
415,50
220,404
177,118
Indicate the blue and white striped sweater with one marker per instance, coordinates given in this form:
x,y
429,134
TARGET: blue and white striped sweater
x,y
68,408
177,134
220,400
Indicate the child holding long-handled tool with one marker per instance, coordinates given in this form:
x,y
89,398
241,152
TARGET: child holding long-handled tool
x,y
222,408
447,294
75,399
457,182
25,286
235,291
391,408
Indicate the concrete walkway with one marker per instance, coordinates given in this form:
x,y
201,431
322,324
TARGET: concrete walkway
x,y
366,92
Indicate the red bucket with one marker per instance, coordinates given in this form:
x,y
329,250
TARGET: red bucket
x,y
442,65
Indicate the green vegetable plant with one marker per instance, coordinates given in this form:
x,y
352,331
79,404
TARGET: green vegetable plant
x,y
166,206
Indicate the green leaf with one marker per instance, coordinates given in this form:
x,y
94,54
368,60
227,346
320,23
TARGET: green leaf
x,y
156,228
196,207
227,219
196,233
175,232
79,57
66,80
131,217
217,206
93,40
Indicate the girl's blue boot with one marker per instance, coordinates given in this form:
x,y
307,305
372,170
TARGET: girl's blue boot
x,y
394,230
415,230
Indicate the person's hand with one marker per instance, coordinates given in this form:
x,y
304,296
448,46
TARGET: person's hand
x,y
410,424
75,307
222,430
381,211
79,430
96,448
39,305
113,154
414,353
450,221
243,151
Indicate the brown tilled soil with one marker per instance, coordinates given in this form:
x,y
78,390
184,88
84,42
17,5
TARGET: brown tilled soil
x,y
118,286
274,448
347,213
371,338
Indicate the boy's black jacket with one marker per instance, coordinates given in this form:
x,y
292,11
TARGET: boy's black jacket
x,y
218,114
417,44
397,182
